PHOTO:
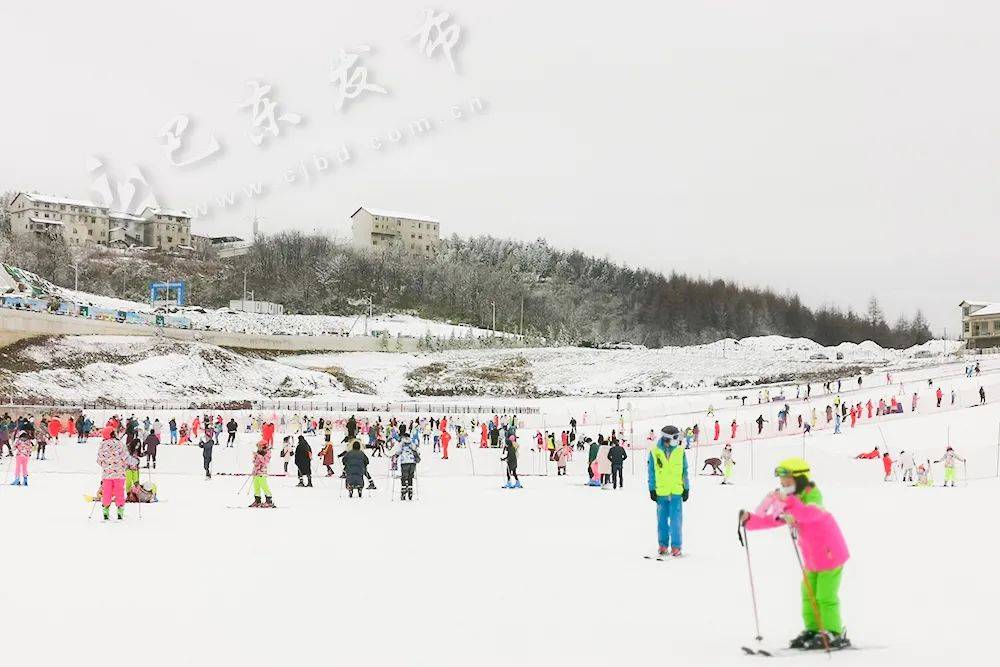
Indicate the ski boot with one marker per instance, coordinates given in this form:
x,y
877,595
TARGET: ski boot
x,y
675,552
106,512
402,494
517,484
508,485
16,482
300,482
256,502
409,493
803,639
310,481
350,492
371,485
268,502
25,480
821,640
121,513
662,551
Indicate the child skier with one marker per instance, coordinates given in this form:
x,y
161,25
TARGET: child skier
x,y
727,463
261,459
949,459
799,504
111,457
22,454
668,488
887,465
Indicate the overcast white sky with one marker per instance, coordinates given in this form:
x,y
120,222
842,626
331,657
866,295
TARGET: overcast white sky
x,y
833,149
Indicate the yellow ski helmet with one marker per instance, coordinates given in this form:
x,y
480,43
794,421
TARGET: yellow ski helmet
x,y
793,467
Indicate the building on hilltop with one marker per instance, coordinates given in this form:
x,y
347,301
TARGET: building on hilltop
x,y
79,222
380,229
224,247
980,324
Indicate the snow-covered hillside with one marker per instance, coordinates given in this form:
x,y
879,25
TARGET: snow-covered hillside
x,y
583,371
126,368
225,319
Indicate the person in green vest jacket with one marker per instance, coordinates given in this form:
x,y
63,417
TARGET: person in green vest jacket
x,y
668,488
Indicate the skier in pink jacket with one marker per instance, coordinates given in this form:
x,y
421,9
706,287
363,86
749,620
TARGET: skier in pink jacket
x,y
799,504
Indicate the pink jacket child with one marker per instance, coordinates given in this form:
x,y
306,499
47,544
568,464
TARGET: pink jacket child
x,y
22,454
799,504
820,540
111,457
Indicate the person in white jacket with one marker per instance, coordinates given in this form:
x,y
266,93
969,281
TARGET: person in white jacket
x,y
907,465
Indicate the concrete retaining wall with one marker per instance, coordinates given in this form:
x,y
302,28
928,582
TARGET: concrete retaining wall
x,y
21,324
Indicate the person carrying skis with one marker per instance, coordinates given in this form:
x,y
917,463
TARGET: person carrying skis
x,y
303,461
261,459
799,504
949,459
668,488
510,456
111,457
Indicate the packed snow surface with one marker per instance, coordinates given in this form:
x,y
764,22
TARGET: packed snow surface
x,y
472,573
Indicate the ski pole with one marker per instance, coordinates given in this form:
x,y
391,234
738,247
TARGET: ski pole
x,y
811,593
741,534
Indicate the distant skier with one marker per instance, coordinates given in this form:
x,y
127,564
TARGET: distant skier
x,y
907,466
982,392
715,464
149,447
717,430
207,444
617,456
669,489
727,464
231,428
303,461
732,430
799,504
356,466
261,460
510,456
22,454
760,424
111,457
949,459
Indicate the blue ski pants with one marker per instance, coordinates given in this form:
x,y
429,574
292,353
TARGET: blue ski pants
x,y
669,517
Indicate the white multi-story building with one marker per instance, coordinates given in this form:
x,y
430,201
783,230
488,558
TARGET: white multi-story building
x,y
81,222
379,229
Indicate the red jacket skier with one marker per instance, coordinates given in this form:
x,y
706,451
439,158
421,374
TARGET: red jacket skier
x,y
716,429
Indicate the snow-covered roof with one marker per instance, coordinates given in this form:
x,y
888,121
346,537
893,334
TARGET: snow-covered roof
x,y
989,309
386,213
970,302
45,220
51,199
166,211
122,215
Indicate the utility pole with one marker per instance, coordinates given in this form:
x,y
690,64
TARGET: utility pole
x,y
521,328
